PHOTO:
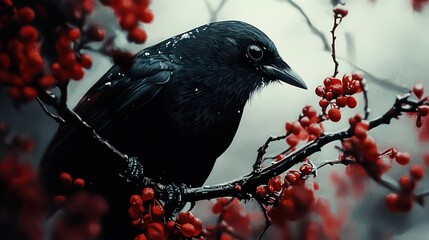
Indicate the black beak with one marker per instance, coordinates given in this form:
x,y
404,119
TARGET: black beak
x,y
281,71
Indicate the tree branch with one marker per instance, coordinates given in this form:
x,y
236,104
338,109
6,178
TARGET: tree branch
x,y
249,182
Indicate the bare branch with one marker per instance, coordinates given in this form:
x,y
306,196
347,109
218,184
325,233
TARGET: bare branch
x,y
57,118
315,31
214,12
249,182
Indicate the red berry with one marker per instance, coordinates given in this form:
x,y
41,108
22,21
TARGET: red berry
x,y
47,81
158,211
292,140
403,158
170,225
141,236
96,33
28,33
60,200
145,15
418,90
423,110
334,114
77,72
86,61
351,102
305,121
79,182
314,129
29,93
323,103
309,111
293,177
329,96
417,172
26,14
137,35
128,21
279,157
392,202
357,76
66,179
134,213
136,200
276,183
261,191
295,128
360,132
148,193
341,12
188,230
341,101
337,89
306,169
316,186
73,34
320,91
155,231
407,184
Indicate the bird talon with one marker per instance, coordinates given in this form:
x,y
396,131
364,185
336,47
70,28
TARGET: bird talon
x,y
174,203
134,170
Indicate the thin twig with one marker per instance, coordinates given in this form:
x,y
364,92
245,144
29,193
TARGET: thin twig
x,y
267,221
262,150
315,31
70,117
214,12
333,54
385,83
366,109
56,118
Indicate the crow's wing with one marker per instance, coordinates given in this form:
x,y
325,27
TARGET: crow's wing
x,y
110,100
117,94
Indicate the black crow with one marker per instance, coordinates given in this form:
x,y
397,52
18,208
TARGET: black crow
x,y
177,109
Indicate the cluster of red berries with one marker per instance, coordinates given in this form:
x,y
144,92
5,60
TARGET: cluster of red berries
x,y
22,198
147,214
233,222
337,93
306,128
21,64
292,178
71,63
130,13
86,207
403,200
68,184
363,149
295,202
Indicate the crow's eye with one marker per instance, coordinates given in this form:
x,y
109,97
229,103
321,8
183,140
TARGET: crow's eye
x,y
255,52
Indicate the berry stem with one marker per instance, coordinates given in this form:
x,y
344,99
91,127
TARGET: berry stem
x,y
337,21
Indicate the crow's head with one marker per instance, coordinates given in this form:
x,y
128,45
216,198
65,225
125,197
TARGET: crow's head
x,y
234,57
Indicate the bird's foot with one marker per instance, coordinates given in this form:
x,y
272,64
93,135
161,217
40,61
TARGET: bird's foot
x,y
173,198
134,170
